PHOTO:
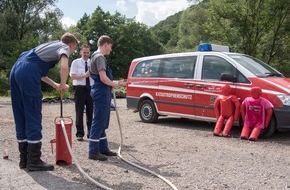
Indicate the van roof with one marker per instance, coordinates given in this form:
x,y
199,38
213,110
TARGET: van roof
x,y
183,54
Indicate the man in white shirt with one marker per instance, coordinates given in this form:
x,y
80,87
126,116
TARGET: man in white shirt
x,y
82,83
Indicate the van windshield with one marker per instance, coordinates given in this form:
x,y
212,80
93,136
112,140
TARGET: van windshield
x,y
257,67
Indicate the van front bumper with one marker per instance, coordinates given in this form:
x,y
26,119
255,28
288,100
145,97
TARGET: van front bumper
x,y
282,118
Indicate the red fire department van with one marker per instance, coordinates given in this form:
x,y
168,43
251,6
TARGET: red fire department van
x,y
186,84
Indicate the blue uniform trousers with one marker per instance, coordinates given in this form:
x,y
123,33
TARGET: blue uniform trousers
x,y
26,96
98,139
101,95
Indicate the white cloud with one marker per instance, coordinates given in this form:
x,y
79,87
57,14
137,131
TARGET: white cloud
x,y
67,22
150,13
122,5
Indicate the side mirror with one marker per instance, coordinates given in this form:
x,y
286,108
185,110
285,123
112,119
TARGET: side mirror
x,y
228,77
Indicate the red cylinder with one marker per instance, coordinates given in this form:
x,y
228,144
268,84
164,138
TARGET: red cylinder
x,y
62,152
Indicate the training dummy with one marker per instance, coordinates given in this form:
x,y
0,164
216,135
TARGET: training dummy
x,y
226,107
256,113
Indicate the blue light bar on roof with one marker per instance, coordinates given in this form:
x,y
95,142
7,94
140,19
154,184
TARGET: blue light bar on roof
x,y
212,47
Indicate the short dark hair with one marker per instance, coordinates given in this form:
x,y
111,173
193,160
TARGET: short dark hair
x,y
68,38
85,46
104,39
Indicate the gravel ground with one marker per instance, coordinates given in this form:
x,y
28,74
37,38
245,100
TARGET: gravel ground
x,y
183,151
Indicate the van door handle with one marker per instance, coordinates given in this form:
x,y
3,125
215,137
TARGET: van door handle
x,y
200,86
189,85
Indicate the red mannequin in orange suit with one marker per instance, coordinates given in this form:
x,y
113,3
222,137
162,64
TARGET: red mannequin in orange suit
x,y
227,107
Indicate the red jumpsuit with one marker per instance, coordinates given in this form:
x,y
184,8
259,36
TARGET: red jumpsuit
x,y
226,107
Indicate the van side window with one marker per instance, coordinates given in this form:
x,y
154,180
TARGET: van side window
x,y
214,66
148,68
179,67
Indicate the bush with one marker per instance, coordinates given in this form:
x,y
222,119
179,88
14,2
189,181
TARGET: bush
x,y
4,84
120,92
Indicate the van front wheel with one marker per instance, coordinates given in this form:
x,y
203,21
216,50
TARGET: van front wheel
x,y
147,112
270,130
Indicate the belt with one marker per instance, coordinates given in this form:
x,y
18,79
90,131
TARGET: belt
x,y
80,86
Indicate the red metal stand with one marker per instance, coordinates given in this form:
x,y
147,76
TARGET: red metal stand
x,y
62,152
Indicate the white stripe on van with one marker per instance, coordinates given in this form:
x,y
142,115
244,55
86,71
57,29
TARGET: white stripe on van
x,y
138,85
172,89
192,91
248,88
263,90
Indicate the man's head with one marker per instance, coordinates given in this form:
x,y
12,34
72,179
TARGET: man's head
x,y
70,40
85,51
105,44
256,92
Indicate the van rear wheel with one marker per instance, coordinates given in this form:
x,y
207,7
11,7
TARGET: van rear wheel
x,y
147,112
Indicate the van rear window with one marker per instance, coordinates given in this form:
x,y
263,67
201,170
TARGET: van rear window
x,y
148,68
179,67
173,67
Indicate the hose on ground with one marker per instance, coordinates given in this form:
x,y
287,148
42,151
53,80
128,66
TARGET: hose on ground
x,y
76,162
119,153
129,162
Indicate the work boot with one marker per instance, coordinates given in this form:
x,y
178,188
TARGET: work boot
x,y
109,153
22,147
99,157
34,163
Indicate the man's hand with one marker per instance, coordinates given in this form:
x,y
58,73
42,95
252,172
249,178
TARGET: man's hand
x,y
61,87
119,83
123,82
87,74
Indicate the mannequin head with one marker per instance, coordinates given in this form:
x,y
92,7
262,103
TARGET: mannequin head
x,y
256,92
226,90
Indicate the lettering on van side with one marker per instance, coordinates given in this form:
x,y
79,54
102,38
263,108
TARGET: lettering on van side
x,y
173,95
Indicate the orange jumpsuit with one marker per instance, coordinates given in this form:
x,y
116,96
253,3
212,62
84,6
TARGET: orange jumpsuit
x,y
226,107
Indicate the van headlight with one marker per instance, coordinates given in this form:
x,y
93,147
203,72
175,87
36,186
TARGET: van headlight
x,y
284,99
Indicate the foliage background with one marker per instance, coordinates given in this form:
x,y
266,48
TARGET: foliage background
x,y
259,28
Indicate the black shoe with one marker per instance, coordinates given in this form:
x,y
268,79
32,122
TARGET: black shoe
x,y
98,157
215,134
252,139
244,138
23,154
34,163
40,166
80,139
110,153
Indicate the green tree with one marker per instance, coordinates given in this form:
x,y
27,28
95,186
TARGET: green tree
x,y
259,28
131,39
166,31
23,25
193,27
258,25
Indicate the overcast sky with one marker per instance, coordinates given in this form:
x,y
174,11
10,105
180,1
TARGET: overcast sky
x,y
149,12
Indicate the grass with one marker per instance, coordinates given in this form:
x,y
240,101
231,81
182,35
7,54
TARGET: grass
x,y
69,94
